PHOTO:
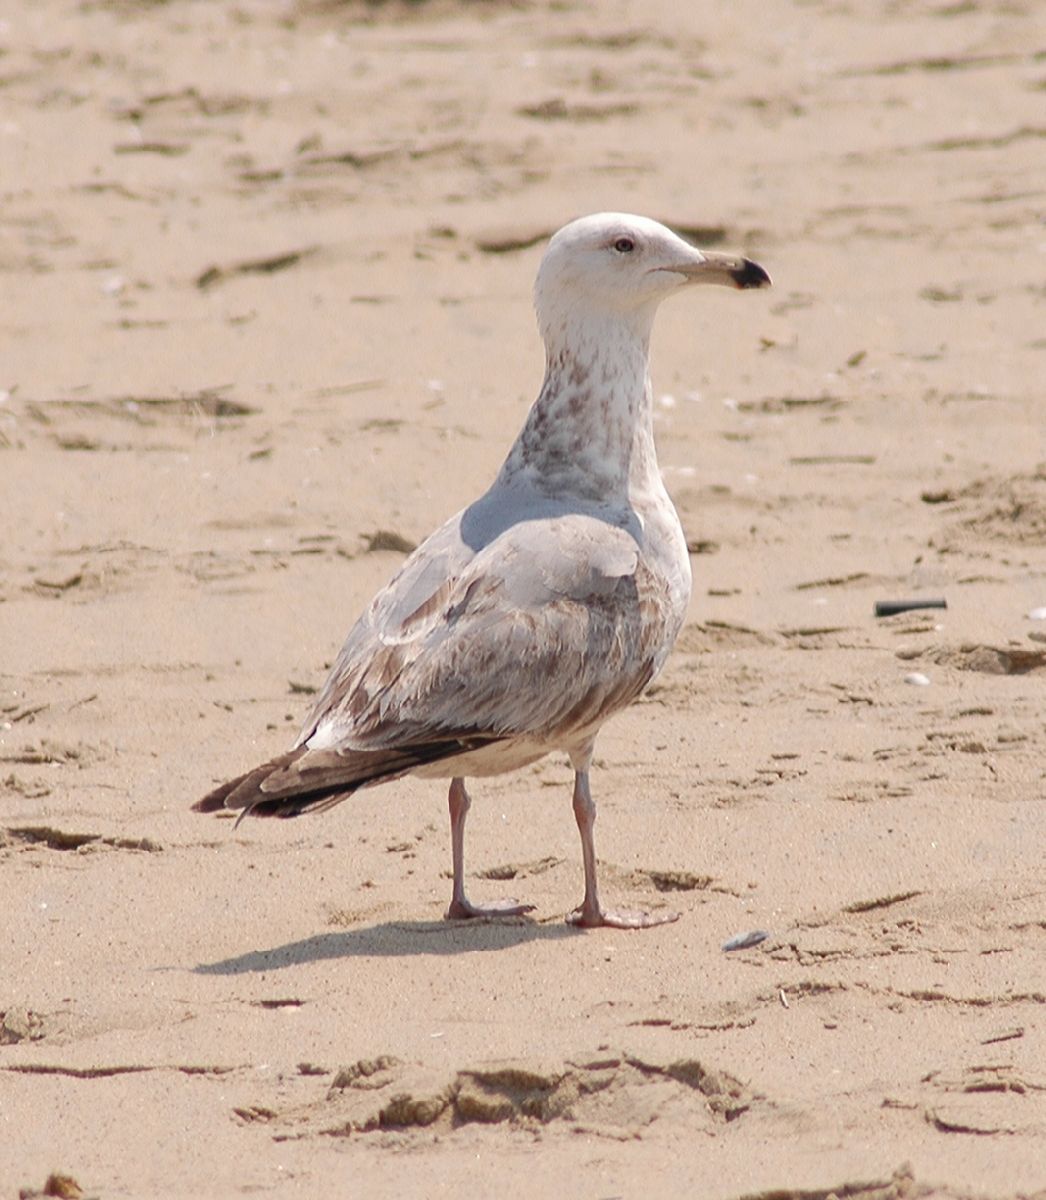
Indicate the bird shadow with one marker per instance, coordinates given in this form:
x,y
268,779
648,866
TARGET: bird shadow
x,y
393,939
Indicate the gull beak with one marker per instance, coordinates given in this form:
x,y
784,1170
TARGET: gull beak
x,y
730,270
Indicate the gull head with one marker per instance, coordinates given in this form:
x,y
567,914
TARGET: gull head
x,y
620,267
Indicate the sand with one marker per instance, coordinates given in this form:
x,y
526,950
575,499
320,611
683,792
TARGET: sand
x,y
266,270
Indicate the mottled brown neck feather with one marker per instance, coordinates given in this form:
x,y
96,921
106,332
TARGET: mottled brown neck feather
x,y
590,431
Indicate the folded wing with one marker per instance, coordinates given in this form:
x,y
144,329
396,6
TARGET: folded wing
x,y
459,651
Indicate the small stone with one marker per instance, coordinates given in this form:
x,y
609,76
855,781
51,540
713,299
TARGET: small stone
x,y
917,679
744,941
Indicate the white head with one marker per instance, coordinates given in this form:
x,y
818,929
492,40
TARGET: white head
x,y
618,266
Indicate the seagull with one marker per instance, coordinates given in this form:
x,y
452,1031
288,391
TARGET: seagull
x,y
544,607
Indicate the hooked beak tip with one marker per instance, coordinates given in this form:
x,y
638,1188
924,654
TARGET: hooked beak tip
x,y
730,270
750,275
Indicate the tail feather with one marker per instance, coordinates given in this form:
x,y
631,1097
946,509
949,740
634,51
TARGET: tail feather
x,y
304,780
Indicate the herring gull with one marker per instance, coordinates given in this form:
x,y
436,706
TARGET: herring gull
x,y
529,618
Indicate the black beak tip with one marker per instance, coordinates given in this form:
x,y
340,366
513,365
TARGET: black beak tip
x,y
751,275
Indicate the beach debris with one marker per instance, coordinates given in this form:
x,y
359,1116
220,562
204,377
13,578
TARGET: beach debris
x,y
268,265
389,539
861,906
889,608
1003,1035
745,941
63,1186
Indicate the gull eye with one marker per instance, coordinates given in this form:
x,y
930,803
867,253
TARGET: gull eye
x,y
624,245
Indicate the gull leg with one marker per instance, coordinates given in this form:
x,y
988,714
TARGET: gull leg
x,y
460,906
592,913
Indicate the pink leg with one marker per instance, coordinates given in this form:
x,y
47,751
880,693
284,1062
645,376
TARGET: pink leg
x,y
460,906
592,913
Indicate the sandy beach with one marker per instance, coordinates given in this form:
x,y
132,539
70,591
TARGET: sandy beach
x,y
266,321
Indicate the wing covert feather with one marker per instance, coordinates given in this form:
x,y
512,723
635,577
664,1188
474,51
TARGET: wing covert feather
x,y
465,642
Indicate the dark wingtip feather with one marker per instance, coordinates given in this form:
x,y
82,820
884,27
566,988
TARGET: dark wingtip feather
x,y
215,801
283,787
245,791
